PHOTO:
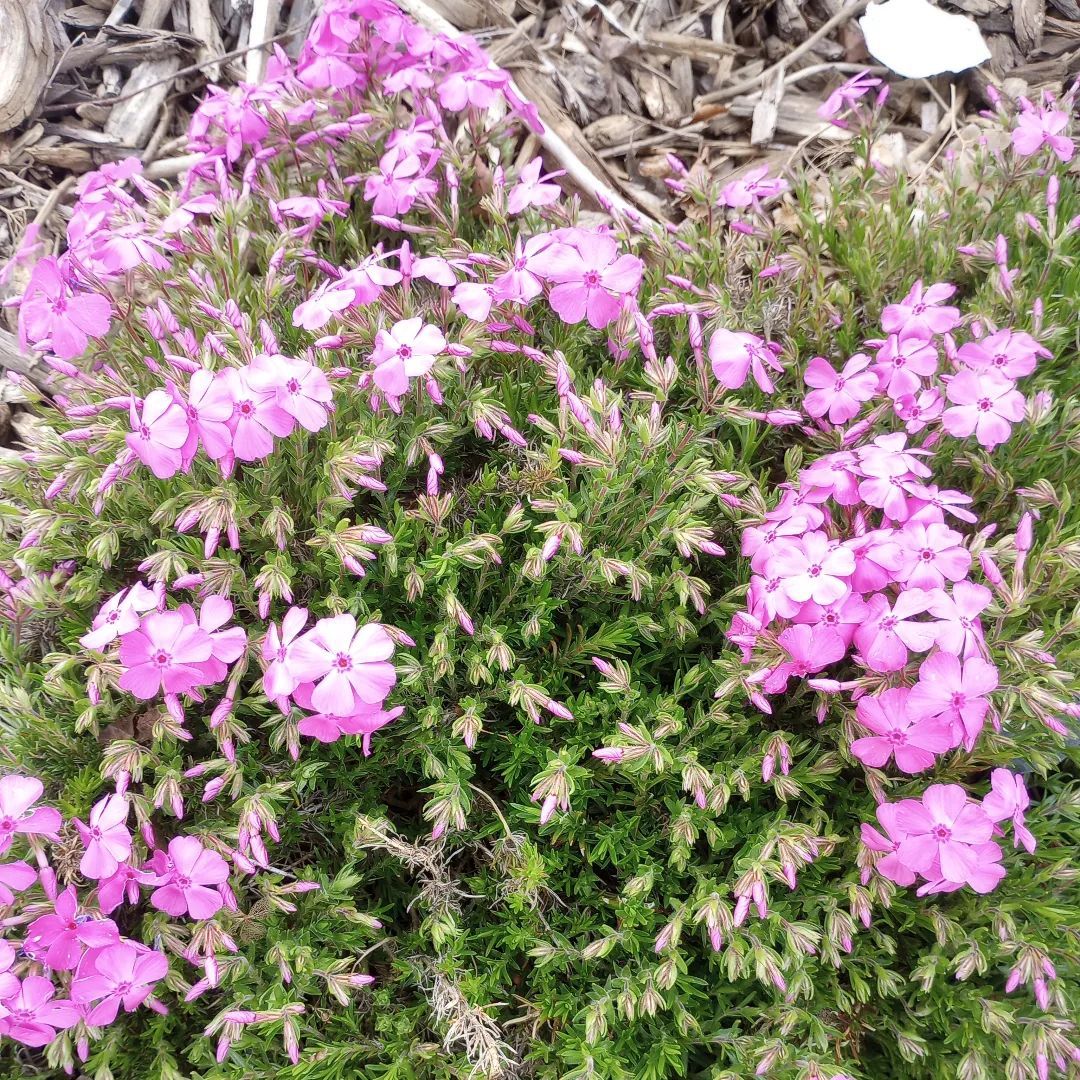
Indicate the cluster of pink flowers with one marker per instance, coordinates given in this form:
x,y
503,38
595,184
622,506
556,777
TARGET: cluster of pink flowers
x,y
340,673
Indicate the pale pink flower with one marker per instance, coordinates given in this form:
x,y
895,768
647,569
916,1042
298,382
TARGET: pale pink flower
x,y
943,827
959,630
407,350
956,692
890,631
751,188
735,354
878,556
920,409
122,974
227,644
844,616
810,649
477,88
814,568
61,938
912,739
903,361
55,315
932,554
209,409
163,654
475,298
32,1014
847,95
106,839
1008,798
189,872
922,310
530,190
401,180
291,657
1011,353
358,661
120,614
257,418
299,387
328,728
1036,128
590,280
523,282
15,877
984,403
159,433
840,395
891,865
17,795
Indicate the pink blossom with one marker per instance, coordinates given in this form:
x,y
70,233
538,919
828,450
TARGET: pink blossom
x,y
1008,352
106,839
847,95
839,395
358,662
932,555
920,409
959,630
942,828
904,359
1036,128
891,866
591,279
32,1015
477,88
124,884
475,298
984,403
55,315
291,658
60,939
209,409
922,310
299,388
530,190
227,644
400,181
890,631
810,648
844,616
407,350
751,188
17,795
189,871
328,728
256,415
165,653
1008,798
124,973
984,877
523,282
159,433
912,739
813,568
120,614
735,354
837,475
956,692
15,877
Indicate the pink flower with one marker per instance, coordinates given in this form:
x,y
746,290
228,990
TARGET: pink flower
x,y
530,190
1008,352
957,692
984,403
524,280
256,417
735,354
932,555
226,645
107,841
841,396
17,795
922,310
476,88
752,187
15,877
903,359
120,614
407,350
358,661
299,388
31,1015
163,654
124,884
942,828
1008,798
891,866
813,569
919,409
159,433
959,630
60,939
984,876
189,871
847,95
890,631
1036,128
54,315
844,616
475,299
811,648
291,659
401,180
591,279
912,739
328,728
122,974
209,409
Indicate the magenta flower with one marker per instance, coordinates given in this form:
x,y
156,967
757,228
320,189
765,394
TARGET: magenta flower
x,y
956,692
328,728
984,403
122,974
189,871
15,877
257,418
932,555
159,433
922,310
407,350
847,95
530,190
890,631
60,939
959,630
815,568
844,616
1008,798
106,839
226,645
941,830
476,88
839,395
363,284
920,409
1036,128
735,354
17,795
751,188
401,180
1008,352
123,885
359,671
591,279
476,298
120,614
163,654
299,388
31,1015
810,648
54,315
912,739
904,360
891,865
291,657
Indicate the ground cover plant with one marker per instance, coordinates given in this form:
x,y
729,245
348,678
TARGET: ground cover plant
x,y
448,636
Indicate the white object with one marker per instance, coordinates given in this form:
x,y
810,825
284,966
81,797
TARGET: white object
x,y
917,40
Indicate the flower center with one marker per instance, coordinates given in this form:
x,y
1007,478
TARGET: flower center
x,y
958,701
888,622
984,404
95,833
161,658
927,555
918,309
1000,360
246,408
7,824
404,351
839,384
519,264
122,988
144,432
941,833
112,616
343,662
293,386
815,571
965,622
591,279
896,738
183,882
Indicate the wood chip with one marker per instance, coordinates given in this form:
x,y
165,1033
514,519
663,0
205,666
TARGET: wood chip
x,y
1029,16
31,33
132,121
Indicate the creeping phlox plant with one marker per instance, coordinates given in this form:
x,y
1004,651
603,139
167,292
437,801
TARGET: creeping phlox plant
x,y
661,616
